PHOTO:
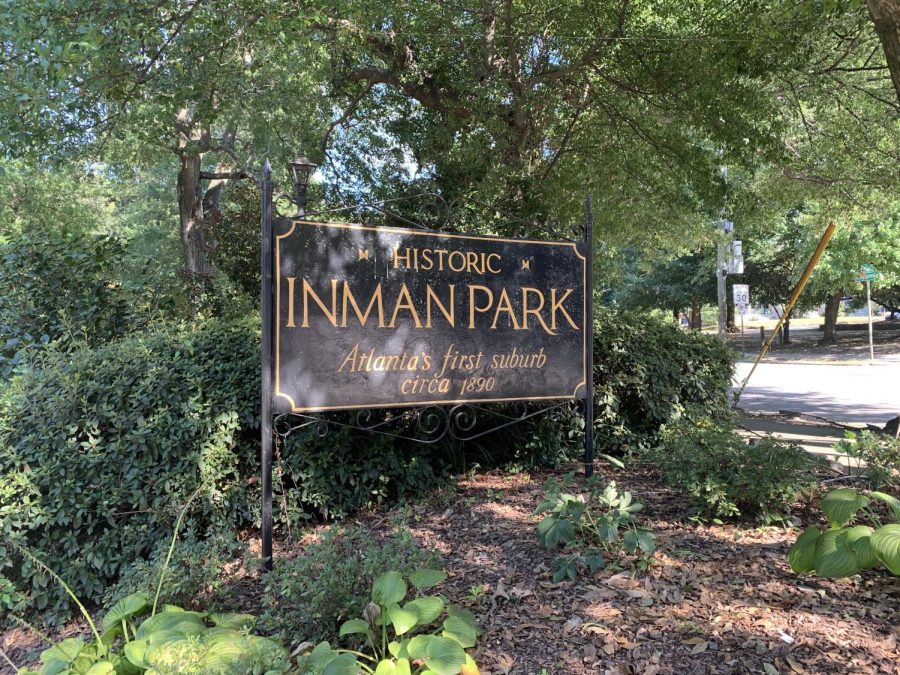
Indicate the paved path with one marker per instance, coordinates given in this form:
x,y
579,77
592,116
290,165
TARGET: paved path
x,y
855,392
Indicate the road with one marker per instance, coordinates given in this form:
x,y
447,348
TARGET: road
x,y
838,392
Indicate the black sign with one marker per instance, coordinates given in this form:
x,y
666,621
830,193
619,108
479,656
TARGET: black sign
x,y
370,317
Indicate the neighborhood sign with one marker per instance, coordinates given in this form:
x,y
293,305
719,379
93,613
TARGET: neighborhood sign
x,y
867,273
371,317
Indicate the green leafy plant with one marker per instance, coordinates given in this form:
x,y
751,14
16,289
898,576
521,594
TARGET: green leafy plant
x,y
402,637
591,527
307,597
844,550
702,455
171,640
879,453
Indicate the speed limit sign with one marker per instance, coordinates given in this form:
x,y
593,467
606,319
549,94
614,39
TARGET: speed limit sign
x,y
741,297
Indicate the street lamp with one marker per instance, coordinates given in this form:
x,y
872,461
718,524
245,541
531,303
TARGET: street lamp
x,y
301,169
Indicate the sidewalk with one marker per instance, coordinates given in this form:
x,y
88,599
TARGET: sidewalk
x,y
852,347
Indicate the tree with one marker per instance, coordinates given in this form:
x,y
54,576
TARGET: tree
x,y
886,19
214,84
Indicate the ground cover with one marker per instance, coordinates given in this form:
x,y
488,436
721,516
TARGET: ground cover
x,y
717,598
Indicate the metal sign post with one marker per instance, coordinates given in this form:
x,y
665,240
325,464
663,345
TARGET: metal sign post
x,y
867,274
741,294
268,318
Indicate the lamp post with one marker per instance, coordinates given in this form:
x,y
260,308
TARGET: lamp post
x,y
301,169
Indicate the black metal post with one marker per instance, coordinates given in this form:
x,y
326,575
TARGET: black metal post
x,y
589,339
267,365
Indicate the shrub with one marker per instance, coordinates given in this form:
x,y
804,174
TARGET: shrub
x,y
198,573
307,598
68,287
647,372
880,454
99,449
726,476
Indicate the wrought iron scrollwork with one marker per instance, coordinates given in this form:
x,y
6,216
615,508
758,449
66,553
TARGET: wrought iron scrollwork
x,y
425,425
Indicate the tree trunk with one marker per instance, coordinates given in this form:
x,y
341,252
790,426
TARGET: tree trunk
x,y
730,326
886,17
696,316
786,331
197,269
832,305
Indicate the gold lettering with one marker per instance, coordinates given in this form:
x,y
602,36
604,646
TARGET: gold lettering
x,y
308,291
351,357
557,305
431,295
348,298
490,268
397,258
505,305
472,262
535,311
404,301
290,321
462,265
473,308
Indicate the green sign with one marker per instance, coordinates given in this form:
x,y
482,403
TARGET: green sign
x,y
867,273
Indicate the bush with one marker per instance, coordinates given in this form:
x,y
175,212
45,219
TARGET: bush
x,y
198,575
879,452
726,476
67,287
98,449
647,372
308,597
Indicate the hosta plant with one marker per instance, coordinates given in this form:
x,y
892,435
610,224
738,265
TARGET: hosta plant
x,y
591,527
400,636
846,548
172,641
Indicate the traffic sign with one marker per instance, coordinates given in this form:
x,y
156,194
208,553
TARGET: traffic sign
x,y
867,273
741,294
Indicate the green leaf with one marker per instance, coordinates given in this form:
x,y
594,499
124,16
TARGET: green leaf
x,y
841,505
891,501
386,667
444,656
234,620
639,540
859,540
886,544
428,608
61,655
403,619
101,668
125,609
802,555
552,530
834,558
353,626
418,646
426,578
388,589
185,623
345,664
135,651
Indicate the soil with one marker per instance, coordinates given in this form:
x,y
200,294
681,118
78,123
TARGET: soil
x,y
717,598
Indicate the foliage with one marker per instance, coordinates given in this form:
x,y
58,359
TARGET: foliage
x,y
412,650
727,477
97,447
199,572
307,597
843,551
647,372
879,452
171,641
67,287
592,526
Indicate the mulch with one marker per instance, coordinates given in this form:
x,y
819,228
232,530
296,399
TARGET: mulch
x,y
716,598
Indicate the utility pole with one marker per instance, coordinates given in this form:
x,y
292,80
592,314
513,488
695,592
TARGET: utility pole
x,y
722,248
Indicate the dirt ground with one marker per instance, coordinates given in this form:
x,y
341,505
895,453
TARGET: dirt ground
x,y
717,598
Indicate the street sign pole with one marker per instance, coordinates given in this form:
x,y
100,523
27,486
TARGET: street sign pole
x,y
869,308
743,349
